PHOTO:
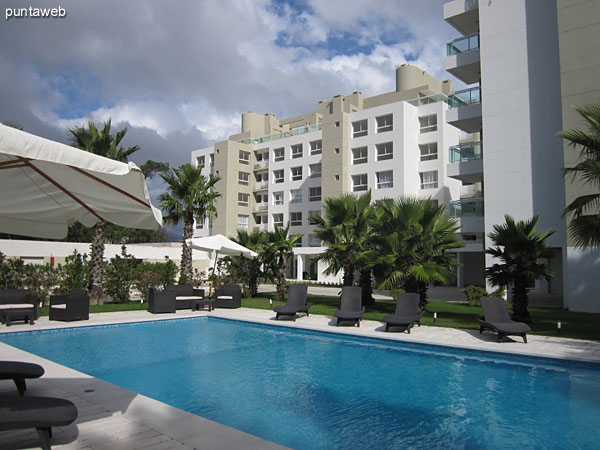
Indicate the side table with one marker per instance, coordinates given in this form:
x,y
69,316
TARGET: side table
x,y
19,314
198,305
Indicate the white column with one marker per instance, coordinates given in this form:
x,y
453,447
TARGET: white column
x,y
459,269
299,267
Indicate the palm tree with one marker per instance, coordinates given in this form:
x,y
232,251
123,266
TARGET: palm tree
x,y
277,249
411,242
584,227
519,247
345,229
190,195
249,270
100,142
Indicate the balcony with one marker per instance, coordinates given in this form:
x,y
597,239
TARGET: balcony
x,y
261,186
465,110
470,214
284,134
261,227
261,207
264,164
466,162
463,15
463,59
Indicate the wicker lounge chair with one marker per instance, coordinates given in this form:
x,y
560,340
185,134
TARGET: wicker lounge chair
x,y
161,301
70,307
229,296
495,317
18,371
296,303
41,413
407,313
351,309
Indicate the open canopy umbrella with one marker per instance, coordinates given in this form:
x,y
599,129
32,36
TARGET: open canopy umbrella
x,y
45,186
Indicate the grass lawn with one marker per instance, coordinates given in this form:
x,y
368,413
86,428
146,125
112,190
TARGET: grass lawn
x,y
450,315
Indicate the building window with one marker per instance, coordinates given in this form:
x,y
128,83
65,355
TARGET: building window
x,y
359,182
242,221
428,123
278,176
316,147
312,215
243,178
385,123
244,157
277,220
296,196
315,170
261,176
200,160
278,198
359,128
262,155
199,224
315,194
296,151
261,199
278,154
243,199
296,173
385,179
429,151
313,241
262,220
385,151
211,160
359,155
295,219
429,180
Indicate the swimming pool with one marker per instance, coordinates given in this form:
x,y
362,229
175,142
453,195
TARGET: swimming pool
x,y
307,389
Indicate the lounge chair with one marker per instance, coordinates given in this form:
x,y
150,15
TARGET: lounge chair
x,y
407,313
18,371
296,303
41,413
495,317
229,296
161,301
70,307
351,309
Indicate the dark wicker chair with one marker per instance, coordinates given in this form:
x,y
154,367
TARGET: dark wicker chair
x,y
161,301
17,298
70,307
185,295
296,303
351,309
229,296
407,313
495,317
41,413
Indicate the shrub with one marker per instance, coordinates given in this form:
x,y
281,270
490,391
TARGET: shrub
x,y
474,294
157,275
75,273
119,276
12,273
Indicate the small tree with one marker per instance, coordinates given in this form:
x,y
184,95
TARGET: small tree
x,y
519,247
278,248
75,273
120,276
248,271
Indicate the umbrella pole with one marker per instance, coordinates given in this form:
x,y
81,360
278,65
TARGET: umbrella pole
x,y
213,278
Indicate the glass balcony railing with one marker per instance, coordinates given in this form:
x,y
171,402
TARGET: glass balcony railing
x,y
284,134
465,97
463,44
471,207
427,100
466,152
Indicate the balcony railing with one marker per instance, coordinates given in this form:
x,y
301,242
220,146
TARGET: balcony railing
x,y
467,208
263,164
427,100
466,152
284,134
465,97
261,186
261,207
463,44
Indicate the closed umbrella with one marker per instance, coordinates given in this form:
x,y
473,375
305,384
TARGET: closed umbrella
x,y
220,244
45,186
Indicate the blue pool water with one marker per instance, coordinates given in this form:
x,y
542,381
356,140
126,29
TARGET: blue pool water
x,y
311,390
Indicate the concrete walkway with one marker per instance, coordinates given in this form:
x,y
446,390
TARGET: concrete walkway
x,y
114,418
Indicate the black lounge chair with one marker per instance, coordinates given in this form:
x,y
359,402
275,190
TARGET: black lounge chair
x,y
495,317
296,302
407,312
18,371
229,296
161,301
70,307
351,309
41,413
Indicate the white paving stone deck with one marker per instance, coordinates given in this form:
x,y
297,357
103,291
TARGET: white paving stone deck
x,y
114,418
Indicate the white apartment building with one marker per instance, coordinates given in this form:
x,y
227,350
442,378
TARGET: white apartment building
x,y
525,62
277,172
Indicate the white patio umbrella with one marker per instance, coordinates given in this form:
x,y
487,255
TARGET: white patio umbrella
x,y
45,186
220,244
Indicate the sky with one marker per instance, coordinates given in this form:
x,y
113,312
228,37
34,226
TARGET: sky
x,y
178,74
